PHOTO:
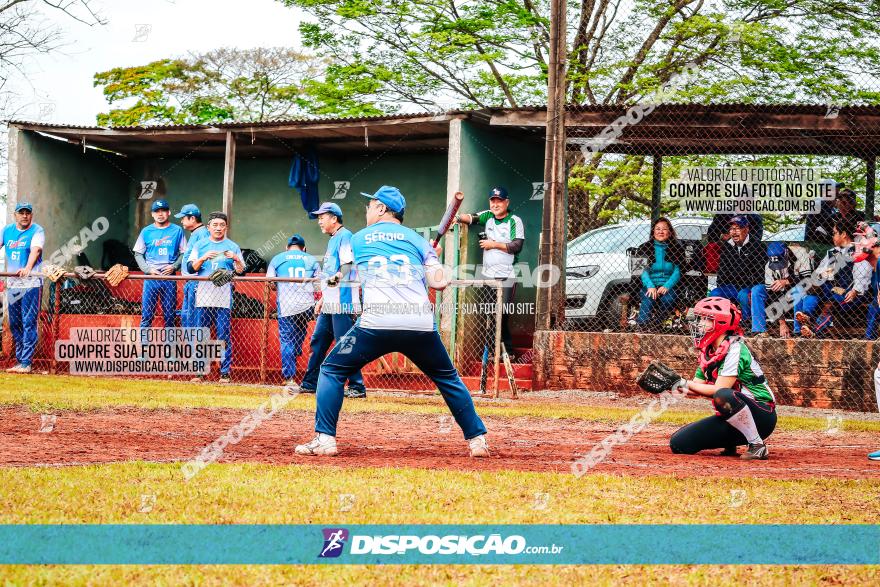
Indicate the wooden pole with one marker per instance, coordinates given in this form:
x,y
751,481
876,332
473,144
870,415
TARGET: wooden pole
x,y
56,325
656,186
229,177
550,310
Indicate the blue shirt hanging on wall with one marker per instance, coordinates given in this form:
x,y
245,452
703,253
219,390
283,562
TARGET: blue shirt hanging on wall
x,y
304,175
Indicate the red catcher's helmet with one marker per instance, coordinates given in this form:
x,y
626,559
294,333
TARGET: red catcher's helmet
x,y
725,317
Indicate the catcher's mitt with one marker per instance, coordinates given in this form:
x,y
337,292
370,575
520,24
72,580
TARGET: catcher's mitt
x,y
84,272
221,277
53,272
116,274
657,378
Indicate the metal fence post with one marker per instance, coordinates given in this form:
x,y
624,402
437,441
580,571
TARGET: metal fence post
x,y
499,297
55,326
264,333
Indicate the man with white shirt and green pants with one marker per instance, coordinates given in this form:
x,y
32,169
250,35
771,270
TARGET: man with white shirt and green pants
x,y
505,235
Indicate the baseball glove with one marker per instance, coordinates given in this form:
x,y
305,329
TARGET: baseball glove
x,y
657,378
53,272
84,272
116,274
221,277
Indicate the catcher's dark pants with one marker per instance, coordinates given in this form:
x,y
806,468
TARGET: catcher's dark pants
x,y
425,349
328,329
155,292
715,432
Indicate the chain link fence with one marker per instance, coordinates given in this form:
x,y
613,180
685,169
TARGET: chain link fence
x,y
90,328
771,207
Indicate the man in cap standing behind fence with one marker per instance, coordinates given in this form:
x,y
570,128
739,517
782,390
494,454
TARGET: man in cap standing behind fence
x,y
190,219
296,302
214,302
340,300
24,241
159,251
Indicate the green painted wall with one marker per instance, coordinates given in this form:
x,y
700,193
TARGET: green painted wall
x,y
490,158
70,188
264,205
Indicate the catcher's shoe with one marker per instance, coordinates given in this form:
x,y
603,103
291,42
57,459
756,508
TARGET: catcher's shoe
x,y
756,452
479,446
729,451
874,456
321,445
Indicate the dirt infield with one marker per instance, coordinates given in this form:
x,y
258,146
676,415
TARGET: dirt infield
x,y
408,440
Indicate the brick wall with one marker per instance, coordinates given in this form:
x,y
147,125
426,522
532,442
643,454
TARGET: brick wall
x,y
815,373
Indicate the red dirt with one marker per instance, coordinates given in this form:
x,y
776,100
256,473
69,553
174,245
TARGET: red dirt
x,y
409,440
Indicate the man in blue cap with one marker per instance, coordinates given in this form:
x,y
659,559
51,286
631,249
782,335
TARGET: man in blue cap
x,y
296,302
340,300
159,251
741,274
24,241
396,266
190,219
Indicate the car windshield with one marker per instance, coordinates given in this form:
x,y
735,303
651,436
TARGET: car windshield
x,y
616,239
793,234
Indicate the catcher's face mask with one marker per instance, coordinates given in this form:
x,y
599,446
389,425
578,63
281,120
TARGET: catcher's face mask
x,y
701,327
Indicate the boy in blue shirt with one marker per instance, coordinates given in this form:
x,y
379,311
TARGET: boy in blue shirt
x,y
159,251
296,302
24,241
214,304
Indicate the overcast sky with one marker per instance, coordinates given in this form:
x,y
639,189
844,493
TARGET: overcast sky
x,y
58,87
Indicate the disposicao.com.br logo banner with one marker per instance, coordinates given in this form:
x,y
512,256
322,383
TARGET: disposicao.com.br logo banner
x,y
106,544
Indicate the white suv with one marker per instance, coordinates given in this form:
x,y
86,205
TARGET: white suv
x,y
597,268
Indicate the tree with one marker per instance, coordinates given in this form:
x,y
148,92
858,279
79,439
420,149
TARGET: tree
x,y
24,32
224,84
434,54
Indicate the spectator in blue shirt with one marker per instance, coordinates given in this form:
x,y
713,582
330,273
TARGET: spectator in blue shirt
x,y
665,255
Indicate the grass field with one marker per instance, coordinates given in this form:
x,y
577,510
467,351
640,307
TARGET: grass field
x,y
317,494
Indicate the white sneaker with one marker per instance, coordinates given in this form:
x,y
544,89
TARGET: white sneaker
x,y
479,446
290,387
15,368
25,369
320,445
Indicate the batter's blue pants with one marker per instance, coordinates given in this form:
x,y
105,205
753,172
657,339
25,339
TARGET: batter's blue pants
x,y
328,329
291,334
24,309
156,292
221,320
752,306
425,349
188,316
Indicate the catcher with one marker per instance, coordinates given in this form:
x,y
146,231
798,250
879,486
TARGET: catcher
x,y
728,374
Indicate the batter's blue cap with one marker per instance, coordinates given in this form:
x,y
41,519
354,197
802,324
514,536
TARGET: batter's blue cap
x,y
160,205
390,196
498,192
189,210
24,206
328,207
296,239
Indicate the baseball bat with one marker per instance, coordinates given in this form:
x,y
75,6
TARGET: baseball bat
x,y
508,368
484,370
448,216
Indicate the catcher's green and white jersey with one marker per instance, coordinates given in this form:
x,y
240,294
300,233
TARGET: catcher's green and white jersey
x,y
740,363
499,264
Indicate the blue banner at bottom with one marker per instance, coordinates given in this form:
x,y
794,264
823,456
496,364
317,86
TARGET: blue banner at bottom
x,y
440,544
